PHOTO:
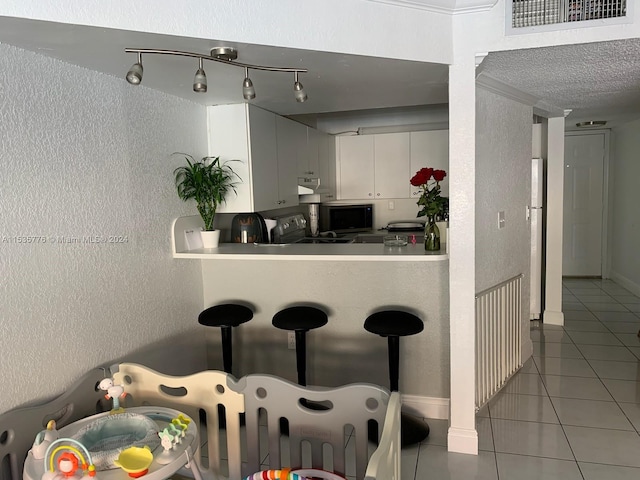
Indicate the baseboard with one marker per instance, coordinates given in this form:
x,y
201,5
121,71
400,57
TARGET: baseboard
x,y
553,318
626,283
460,440
527,350
427,407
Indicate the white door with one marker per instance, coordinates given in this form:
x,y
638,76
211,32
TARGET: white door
x,y
583,202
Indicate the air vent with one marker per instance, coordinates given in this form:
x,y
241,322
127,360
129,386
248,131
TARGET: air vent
x,y
527,13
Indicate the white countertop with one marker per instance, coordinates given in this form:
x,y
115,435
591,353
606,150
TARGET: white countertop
x,y
337,252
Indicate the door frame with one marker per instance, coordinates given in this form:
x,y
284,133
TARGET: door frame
x,y
606,185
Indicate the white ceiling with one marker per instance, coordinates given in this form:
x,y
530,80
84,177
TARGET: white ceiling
x,y
599,81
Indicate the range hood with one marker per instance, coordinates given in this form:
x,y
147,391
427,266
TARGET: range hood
x,y
310,186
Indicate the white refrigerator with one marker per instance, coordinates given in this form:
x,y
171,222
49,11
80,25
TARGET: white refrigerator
x,y
535,217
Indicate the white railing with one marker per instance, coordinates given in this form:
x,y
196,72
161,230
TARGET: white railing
x,y
527,13
498,337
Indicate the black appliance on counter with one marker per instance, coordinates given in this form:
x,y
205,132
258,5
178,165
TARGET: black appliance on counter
x,y
293,228
346,218
249,228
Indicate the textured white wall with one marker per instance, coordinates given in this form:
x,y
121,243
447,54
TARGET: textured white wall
x,y
349,26
85,154
625,198
503,183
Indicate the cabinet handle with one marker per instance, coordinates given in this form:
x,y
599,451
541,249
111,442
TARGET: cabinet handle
x,y
371,194
378,194
283,201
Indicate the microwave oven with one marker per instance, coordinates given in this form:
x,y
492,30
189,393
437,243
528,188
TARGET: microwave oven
x,y
346,218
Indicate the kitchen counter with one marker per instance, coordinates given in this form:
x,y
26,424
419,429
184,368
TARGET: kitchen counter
x,y
293,251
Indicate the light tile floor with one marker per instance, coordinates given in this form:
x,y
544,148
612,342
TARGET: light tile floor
x,y
572,412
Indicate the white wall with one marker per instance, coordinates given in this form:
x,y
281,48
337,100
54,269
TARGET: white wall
x,y
503,183
85,154
347,26
625,198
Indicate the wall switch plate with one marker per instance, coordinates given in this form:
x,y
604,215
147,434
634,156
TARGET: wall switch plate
x,y
501,220
392,205
291,340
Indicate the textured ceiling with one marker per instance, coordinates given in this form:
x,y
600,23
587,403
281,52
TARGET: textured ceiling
x,y
597,81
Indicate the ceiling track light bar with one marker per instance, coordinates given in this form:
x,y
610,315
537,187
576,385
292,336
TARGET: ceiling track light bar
x,y
226,55
219,58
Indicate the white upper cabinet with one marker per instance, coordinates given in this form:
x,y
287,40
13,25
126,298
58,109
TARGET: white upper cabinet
x,y
355,167
247,134
430,149
327,166
374,166
309,164
392,165
291,146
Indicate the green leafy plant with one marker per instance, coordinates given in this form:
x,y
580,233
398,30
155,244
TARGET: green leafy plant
x,y
207,181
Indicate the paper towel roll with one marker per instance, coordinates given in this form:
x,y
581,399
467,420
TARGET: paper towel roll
x,y
270,226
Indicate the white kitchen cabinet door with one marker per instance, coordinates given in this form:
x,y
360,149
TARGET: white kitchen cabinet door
x,y
291,145
392,165
247,134
327,166
309,164
430,149
356,167
264,159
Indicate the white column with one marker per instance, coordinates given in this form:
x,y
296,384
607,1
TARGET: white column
x,y
555,185
462,437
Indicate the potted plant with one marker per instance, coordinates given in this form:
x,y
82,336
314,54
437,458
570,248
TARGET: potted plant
x,y
207,181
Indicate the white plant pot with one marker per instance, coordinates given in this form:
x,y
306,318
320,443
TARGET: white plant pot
x,y
210,239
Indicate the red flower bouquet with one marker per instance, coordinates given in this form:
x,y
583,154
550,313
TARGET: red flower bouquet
x,y
430,201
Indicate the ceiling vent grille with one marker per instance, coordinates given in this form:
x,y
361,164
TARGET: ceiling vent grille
x,y
528,13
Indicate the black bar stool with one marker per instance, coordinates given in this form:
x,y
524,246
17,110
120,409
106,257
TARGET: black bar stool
x,y
300,319
225,316
394,324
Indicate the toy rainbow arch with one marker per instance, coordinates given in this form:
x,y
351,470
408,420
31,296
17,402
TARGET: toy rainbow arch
x,y
78,453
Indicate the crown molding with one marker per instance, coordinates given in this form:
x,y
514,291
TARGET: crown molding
x,y
491,84
451,7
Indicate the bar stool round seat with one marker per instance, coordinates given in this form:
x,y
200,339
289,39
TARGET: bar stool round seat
x,y
225,316
394,324
300,319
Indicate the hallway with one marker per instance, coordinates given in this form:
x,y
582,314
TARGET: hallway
x,y
571,413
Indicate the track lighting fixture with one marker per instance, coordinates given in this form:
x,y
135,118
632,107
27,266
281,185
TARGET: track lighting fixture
x,y
248,92
226,55
134,75
298,89
200,80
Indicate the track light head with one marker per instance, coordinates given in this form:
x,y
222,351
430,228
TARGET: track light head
x,y
248,92
200,79
134,75
298,90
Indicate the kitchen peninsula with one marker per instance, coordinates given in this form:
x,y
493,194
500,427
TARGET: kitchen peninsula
x,y
349,281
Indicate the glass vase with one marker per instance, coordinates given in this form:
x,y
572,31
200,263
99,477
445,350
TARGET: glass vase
x,y
431,235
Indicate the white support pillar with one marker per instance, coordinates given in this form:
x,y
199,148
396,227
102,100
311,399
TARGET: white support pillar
x,y
555,186
462,436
